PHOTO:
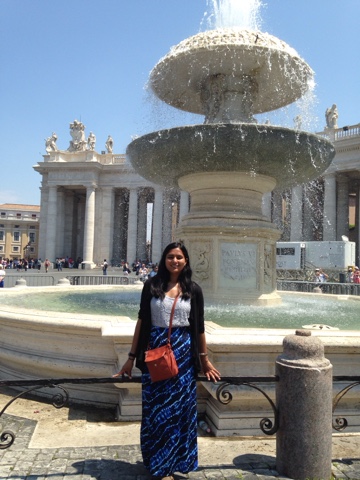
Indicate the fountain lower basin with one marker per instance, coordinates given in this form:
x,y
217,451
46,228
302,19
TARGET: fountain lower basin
x,y
48,344
290,156
113,303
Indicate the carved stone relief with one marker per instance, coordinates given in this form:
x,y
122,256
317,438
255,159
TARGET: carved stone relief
x,y
201,261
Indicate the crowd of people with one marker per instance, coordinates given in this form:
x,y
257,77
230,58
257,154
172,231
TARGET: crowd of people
x,y
353,275
143,270
22,264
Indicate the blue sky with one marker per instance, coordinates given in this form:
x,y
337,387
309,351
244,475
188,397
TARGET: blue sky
x,y
89,60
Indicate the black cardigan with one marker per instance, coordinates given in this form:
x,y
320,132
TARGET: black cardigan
x,y
196,320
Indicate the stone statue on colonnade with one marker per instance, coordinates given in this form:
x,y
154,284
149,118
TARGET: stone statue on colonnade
x,y
77,132
109,144
50,143
331,116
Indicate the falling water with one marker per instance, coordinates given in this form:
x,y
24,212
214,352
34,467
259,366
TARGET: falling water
x,y
234,13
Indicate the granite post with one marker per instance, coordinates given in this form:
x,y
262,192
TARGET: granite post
x,y
304,402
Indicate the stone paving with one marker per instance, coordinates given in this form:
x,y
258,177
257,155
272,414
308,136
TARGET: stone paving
x,y
123,462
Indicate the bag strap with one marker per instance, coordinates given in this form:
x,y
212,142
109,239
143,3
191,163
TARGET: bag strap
x,y
172,316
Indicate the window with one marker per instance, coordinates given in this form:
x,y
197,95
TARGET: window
x,y
285,251
34,215
2,235
3,214
18,215
16,236
16,226
1,248
15,249
32,227
2,225
32,237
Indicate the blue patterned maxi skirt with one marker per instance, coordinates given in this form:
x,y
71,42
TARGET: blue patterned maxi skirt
x,y
169,412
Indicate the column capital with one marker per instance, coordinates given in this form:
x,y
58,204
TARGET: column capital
x,y
91,185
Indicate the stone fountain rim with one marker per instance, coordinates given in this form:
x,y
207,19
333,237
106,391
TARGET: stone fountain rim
x,y
236,36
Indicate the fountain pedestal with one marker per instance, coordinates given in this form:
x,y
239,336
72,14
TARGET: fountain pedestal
x,y
230,242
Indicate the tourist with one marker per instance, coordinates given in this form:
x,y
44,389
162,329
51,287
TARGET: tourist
x,y
143,273
2,275
59,264
169,411
356,275
154,271
126,269
47,265
350,275
104,267
320,276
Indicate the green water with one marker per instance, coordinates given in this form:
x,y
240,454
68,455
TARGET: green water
x,y
294,312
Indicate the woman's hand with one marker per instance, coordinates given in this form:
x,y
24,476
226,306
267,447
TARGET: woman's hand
x,y
209,370
126,369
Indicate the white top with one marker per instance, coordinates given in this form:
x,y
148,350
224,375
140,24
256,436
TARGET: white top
x,y
161,311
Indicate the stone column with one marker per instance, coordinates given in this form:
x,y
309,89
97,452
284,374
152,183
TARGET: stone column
x,y
329,222
156,240
89,228
61,223
142,225
304,403
69,244
167,219
308,215
106,232
184,204
342,213
357,225
43,223
51,224
132,226
296,214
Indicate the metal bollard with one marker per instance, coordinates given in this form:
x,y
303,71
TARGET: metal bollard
x,y
304,402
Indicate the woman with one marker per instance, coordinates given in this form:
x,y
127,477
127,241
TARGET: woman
x,y
169,412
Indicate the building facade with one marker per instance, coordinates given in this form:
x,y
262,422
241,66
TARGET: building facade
x,y
19,231
94,206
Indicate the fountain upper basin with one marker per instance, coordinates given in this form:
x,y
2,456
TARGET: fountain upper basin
x,y
279,72
290,156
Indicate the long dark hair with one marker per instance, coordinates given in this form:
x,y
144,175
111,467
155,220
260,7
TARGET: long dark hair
x,y
160,281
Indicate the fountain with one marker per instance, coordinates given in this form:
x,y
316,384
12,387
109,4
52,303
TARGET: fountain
x,y
229,162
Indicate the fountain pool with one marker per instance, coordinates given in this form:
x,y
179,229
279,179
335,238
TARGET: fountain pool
x,y
295,311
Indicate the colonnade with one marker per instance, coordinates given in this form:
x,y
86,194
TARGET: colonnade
x,y
94,223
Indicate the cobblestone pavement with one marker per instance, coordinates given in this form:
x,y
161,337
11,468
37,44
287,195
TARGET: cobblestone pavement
x,y
123,462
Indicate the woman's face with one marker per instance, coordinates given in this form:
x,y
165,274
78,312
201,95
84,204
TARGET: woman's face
x,y
175,261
